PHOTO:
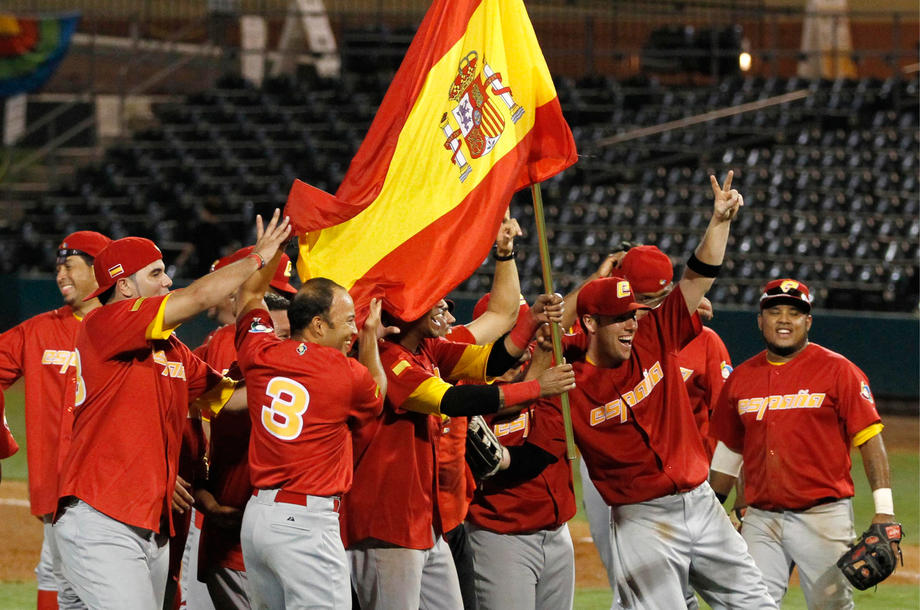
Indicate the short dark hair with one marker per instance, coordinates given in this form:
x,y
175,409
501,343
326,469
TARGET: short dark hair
x,y
313,299
276,302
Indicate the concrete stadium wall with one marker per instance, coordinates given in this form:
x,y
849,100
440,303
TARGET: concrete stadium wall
x,y
885,346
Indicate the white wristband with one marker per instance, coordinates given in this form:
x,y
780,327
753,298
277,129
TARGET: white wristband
x,y
884,504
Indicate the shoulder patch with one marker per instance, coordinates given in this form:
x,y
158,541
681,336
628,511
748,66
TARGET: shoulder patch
x,y
301,349
685,373
258,327
137,304
726,369
865,392
400,366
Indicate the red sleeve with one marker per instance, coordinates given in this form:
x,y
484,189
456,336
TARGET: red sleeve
x,y
547,430
725,423
718,366
254,331
460,334
674,326
8,445
403,374
132,318
855,402
12,348
366,399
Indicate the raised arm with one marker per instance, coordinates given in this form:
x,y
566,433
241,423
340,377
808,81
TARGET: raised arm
x,y
368,352
209,290
504,302
703,266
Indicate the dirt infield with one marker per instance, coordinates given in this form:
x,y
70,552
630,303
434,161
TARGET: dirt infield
x,y
21,533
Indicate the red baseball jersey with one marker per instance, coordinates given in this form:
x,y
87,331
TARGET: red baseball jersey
x,y
395,497
228,473
633,423
794,423
705,365
304,400
8,444
135,381
544,502
41,349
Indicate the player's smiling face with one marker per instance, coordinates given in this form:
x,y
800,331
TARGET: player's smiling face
x,y
435,321
342,331
785,330
75,279
611,338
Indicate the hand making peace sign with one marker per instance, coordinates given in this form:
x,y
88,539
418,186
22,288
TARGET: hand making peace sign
x,y
726,200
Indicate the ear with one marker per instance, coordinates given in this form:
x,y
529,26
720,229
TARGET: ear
x,y
808,323
590,323
316,326
125,288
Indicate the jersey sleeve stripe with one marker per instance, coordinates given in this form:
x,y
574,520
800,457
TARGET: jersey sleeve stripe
x,y
426,398
472,364
861,437
155,329
211,402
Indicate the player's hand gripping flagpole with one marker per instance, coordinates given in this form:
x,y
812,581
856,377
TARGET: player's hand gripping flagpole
x,y
540,221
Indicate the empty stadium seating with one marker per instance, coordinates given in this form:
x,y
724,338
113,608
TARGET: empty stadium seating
x,y
830,182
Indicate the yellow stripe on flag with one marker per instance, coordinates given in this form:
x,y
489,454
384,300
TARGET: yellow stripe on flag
x,y
421,169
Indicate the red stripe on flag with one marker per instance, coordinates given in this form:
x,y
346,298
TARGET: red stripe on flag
x,y
436,260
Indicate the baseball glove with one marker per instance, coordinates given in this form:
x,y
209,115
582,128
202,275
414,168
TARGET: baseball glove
x,y
483,449
871,560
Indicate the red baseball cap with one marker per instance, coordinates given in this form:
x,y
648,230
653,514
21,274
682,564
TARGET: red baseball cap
x,y
480,307
607,296
280,281
647,268
789,291
122,258
89,243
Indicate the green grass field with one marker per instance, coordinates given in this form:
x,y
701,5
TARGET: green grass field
x,y
905,472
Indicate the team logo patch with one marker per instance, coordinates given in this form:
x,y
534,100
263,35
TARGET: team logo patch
x,y
685,373
116,270
480,120
301,349
623,289
258,327
400,366
865,392
726,369
287,269
788,285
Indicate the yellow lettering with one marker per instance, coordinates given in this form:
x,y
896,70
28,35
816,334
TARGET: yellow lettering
x,y
597,416
48,356
815,400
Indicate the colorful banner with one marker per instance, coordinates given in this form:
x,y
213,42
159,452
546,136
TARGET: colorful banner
x,y
470,117
31,50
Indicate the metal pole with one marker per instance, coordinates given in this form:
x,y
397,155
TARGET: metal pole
x,y
557,332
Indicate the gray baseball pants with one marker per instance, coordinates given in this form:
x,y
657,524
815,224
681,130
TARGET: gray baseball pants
x,y
111,565
294,554
812,540
524,571
663,546
387,577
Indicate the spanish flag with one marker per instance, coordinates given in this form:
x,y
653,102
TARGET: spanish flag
x,y
470,117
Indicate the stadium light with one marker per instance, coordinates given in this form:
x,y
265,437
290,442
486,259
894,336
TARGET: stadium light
x,y
744,61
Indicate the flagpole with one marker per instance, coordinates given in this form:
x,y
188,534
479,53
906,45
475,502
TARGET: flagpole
x,y
556,331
